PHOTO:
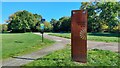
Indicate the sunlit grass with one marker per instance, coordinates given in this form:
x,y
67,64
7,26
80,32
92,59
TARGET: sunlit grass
x,y
21,43
62,57
103,37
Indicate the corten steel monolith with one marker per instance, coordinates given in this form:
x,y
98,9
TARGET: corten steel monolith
x,y
79,36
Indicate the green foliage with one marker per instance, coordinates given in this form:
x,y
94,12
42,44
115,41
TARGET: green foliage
x,y
56,25
63,25
104,37
0,28
48,26
23,21
102,17
4,27
21,43
62,57
101,13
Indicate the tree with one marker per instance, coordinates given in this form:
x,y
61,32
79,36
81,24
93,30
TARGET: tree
x,y
48,26
56,25
4,27
53,21
62,25
37,20
23,21
0,28
100,13
93,24
65,24
109,14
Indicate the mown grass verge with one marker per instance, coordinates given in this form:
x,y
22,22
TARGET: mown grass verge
x,y
15,44
62,57
102,37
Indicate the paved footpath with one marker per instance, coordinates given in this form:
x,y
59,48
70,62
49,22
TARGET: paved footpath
x,y
60,44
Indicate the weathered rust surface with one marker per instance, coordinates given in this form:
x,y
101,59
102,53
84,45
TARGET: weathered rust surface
x,y
79,36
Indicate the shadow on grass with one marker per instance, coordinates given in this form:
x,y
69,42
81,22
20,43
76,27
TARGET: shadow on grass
x,y
24,58
105,34
18,42
98,34
54,59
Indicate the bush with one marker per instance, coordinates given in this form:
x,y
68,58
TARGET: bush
x,y
4,28
0,28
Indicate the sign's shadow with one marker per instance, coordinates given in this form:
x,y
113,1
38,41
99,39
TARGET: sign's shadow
x,y
54,59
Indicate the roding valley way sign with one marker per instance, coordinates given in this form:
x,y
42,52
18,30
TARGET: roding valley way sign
x,y
79,36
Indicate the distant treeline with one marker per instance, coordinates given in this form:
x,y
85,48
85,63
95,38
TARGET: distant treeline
x,y
24,21
102,17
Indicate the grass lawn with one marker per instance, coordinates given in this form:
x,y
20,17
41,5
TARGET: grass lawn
x,y
103,37
21,43
62,57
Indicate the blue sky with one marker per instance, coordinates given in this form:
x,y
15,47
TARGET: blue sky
x,y
46,0
48,10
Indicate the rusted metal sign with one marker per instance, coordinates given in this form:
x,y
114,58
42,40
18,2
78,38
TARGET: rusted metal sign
x,y
79,36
